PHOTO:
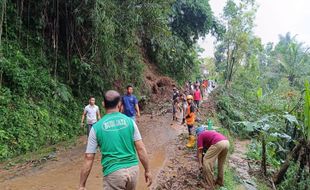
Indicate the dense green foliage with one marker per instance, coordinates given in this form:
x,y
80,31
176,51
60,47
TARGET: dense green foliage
x,y
266,96
272,112
238,42
301,181
55,54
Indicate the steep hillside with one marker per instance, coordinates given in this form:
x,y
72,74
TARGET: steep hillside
x,y
55,54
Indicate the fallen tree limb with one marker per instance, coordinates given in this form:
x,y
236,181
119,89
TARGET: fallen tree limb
x,y
293,155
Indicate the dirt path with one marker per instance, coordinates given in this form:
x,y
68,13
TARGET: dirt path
x,y
239,163
62,172
173,165
181,169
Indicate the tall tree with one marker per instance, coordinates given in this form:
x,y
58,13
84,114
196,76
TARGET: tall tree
x,y
293,58
193,19
232,49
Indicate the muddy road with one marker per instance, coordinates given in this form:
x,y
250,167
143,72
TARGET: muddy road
x,y
62,172
173,165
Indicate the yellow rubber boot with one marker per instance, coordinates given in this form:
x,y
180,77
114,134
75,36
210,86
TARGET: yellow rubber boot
x,y
191,141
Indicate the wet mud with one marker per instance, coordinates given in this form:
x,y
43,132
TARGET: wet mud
x,y
63,171
173,165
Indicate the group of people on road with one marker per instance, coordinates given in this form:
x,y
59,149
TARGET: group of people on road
x,y
192,96
211,145
120,154
119,140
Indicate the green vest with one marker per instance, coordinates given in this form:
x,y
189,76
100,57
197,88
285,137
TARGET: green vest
x,y
115,133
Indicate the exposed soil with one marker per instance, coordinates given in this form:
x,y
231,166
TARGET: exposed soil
x,y
181,170
157,87
62,172
173,165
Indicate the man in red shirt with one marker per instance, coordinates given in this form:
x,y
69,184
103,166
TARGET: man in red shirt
x,y
217,147
197,97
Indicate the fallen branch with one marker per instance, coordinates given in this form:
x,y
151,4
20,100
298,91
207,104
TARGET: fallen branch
x,y
293,155
272,184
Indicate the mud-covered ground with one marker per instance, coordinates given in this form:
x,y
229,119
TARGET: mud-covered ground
x,y
62,171
173,165
181,170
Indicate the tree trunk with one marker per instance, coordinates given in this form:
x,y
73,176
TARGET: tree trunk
x,y
68,40
3,9
20,19
56,30
303,162
227,66
28,21
293,155
1,73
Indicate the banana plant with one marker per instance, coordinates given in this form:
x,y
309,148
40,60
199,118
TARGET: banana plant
x,y
267,131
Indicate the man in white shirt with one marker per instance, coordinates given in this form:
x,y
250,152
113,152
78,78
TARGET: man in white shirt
x,y
92,113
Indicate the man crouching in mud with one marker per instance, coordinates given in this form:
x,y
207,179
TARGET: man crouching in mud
x,y
119,139
217,147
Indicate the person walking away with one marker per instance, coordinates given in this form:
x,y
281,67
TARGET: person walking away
x,y
119,141
92,113
217,147
130,105
175,96
186,93
191,88
197,97
201,90
184,106
205,83
190,121
186,87
197,84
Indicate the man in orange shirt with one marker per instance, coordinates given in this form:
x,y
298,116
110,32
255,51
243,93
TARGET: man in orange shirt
x,y
204,86
190,120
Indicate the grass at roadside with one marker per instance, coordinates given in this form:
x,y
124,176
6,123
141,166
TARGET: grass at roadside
x,y
261,185
40,156
231,180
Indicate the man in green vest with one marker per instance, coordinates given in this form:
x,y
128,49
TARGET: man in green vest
x,y
120,142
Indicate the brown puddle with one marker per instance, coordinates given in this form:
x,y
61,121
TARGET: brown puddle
x,y
64,172
156,162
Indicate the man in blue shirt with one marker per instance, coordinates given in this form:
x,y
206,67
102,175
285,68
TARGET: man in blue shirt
x,y
130,105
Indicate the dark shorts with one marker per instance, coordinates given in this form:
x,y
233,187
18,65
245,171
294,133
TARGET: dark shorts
x,y
197,102
89,126
190,129
174,110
